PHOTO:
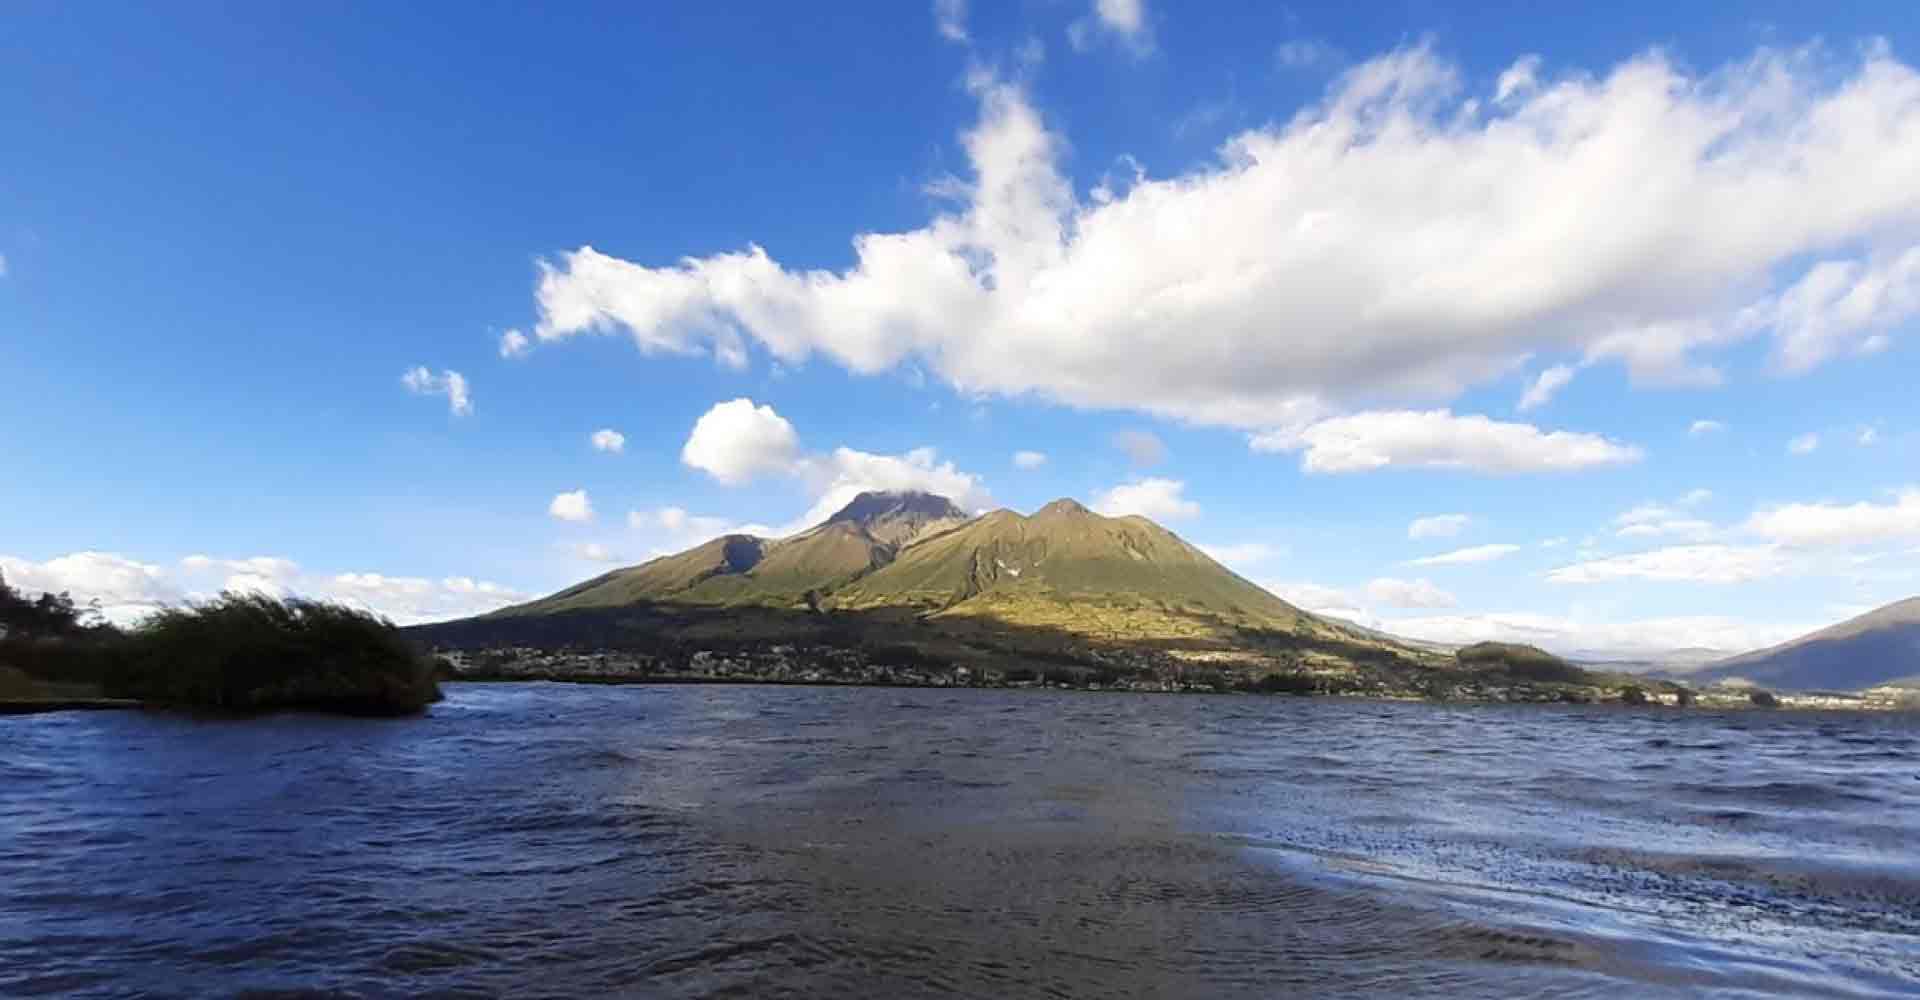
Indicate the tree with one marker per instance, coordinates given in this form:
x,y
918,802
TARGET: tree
x,y
48,615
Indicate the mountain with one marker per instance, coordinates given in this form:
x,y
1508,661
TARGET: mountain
x,y
745,570
1879,647
912,569
1067,567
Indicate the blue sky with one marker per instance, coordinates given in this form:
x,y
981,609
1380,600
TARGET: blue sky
x,y
1288,278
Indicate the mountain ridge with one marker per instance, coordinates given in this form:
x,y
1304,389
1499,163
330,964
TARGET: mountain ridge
x,y
910,568
920,551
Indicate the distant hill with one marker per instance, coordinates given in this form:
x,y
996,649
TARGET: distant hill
x,y
1520,661
1879,647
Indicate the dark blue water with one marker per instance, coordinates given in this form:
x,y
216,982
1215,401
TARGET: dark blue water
x,y
529,840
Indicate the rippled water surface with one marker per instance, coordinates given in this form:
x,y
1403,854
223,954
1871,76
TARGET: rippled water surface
x,y
535,839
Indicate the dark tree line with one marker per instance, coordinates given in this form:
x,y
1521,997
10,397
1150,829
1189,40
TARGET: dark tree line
x,y
48,616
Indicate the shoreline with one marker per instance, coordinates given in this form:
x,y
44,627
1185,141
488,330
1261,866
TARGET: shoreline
x,y
40,706
1789,701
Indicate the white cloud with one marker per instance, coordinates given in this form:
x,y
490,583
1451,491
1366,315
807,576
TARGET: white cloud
x,y
248,583
684,530
410,600
1683,563
950,19
1029,459
1408,594
1124,20
1128,17
450,384
1695,497
1822,524
608,439
1678,639
1654,520
1240,554
1840,306
1157,499
1318,598
736,441
128,589
845,473
1700,427
1867,437
125,588
514,344
1438,526
1518,80
1142,448
1541,390
573,506
1651,638
1438,439
268,567
1805,444
1474,554
1395,244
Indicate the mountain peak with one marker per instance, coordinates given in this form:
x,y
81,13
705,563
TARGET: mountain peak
x,y
1064,505
876,504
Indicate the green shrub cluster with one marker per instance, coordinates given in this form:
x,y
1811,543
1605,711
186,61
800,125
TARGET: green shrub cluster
x,y
1522,663
249,652
236,653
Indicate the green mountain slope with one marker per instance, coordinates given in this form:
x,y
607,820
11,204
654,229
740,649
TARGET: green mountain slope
x,y
655,580
1067,567
737,570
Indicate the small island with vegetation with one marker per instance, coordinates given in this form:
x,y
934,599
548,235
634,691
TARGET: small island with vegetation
x,y
237,653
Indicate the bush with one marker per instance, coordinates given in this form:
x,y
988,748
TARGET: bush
x,y
1764,699
1521,663
1062,677
249,653
1633,695
49,615
87,658
1282,684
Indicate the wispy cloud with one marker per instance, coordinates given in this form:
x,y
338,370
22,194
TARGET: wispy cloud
x,y
451,384
1474,554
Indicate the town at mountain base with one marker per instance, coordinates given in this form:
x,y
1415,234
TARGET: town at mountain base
x,y
907,588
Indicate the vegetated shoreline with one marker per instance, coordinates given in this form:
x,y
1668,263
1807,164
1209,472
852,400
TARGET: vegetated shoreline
x,y
1731,701
1710,700
235,655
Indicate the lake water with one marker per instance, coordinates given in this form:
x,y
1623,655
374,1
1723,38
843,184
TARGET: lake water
x,y
679,841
